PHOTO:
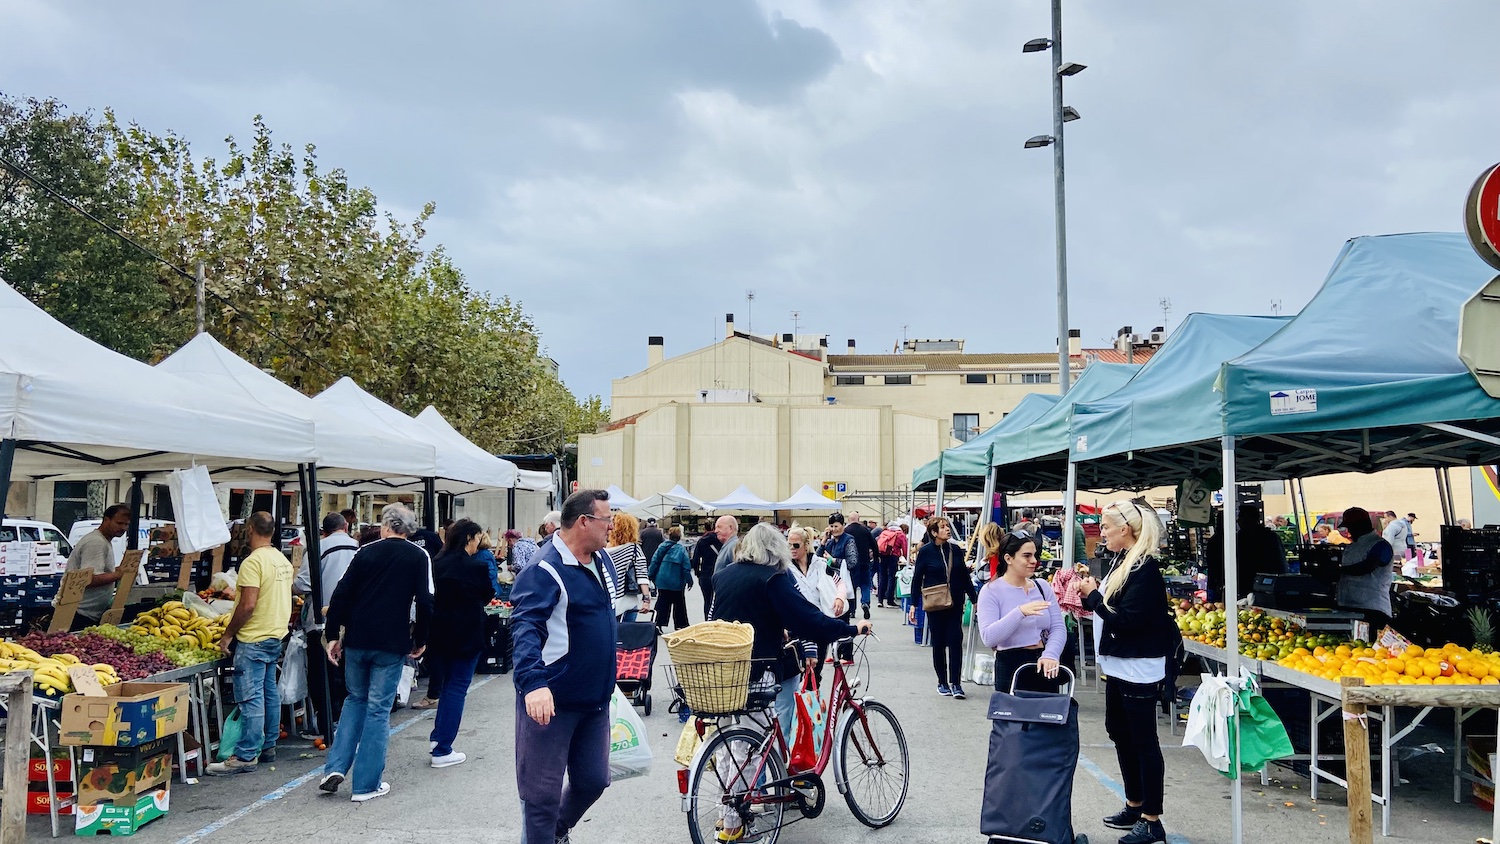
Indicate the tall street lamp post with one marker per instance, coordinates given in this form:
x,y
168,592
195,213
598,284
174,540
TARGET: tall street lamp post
x,y
1060,114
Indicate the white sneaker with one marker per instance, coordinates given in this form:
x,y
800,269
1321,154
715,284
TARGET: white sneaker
x,y
453,758
383,790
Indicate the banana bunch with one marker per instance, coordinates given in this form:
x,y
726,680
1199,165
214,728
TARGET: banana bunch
x,y
174,622
50,674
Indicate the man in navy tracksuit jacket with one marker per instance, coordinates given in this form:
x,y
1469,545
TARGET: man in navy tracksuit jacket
x,y
563,620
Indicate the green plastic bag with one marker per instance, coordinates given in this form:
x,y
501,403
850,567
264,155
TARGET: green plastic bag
x,y
968,612
1262,737
230,737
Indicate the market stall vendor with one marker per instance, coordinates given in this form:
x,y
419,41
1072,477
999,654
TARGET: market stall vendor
x,y
1257,547
1365,574
95,552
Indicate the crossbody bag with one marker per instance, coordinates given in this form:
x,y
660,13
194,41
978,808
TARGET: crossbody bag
x,y
940,597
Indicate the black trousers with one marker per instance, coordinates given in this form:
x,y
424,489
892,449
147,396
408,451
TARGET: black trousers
x,y
706,585
670,603
334,692
885,588
1130,721
947,630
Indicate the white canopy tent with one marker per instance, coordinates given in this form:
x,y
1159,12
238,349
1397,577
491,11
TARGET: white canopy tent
x,y
618,500
434,421
71,407
742,499
677,500
458,470
808,498
348,449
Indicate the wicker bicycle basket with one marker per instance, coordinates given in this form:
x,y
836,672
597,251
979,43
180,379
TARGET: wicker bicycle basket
x,y
711,664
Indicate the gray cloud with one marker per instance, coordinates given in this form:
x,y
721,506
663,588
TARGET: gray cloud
x,y
630,168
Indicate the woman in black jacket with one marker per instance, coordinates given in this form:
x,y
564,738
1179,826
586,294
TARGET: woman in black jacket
x,y
464,588
942,561
759,591
1134,636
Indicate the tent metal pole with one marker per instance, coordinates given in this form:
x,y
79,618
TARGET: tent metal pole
x,y
429,503
941,492
1452,503
986,515
7,465
133,539
1070,515
312,523
510,509
1443,504
1306,514
278,509
1232,623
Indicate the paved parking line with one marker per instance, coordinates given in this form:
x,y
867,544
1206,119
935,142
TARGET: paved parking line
x,y
297,783
1119,791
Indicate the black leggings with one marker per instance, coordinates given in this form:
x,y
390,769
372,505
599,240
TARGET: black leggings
x,y
1130,721
947,629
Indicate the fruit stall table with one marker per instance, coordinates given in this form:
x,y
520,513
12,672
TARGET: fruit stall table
x,y
202,684
1326,698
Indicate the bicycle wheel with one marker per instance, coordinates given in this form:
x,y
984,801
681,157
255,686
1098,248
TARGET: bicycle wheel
x,y
724,786
873,766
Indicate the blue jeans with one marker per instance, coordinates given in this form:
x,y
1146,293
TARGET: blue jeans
x,y
786,706
458,673
255,694
364,727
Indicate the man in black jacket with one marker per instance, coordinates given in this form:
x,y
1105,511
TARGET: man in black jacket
x,y
863,573
651,538
370,632
706,554
1258,550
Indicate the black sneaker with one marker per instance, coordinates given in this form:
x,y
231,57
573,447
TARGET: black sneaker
x,y
944,690
268,755
867,611
1126,818
1145,832
958,691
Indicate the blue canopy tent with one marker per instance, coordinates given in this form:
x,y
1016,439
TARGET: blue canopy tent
x,y
965,462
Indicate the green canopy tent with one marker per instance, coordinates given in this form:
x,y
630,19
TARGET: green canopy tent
x,y
962,464
1334,391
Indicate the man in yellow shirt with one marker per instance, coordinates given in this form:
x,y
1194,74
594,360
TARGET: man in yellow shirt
x,y
262,612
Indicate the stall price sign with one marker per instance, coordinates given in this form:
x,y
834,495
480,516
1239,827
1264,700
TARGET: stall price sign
x,y
68,597
185,570
128,569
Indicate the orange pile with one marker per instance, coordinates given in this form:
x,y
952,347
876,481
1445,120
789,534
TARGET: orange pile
x,y
1449,665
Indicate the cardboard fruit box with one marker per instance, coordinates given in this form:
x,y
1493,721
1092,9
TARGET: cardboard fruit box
x,y
39,802
129,715
121,775
109,819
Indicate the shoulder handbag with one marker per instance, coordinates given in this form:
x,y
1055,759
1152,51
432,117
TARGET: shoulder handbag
x,y
940,596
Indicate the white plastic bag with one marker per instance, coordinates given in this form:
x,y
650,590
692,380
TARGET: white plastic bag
x,y
200,523
1208,720
408,682
293,683
629,754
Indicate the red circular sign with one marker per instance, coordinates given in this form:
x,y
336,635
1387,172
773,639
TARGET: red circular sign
x,y
1482,216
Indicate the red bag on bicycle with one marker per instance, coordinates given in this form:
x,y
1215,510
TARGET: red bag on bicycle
x,y
807,736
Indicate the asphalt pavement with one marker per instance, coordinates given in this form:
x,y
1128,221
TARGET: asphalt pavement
x,y
477,801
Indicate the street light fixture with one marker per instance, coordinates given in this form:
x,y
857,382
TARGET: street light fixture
x,y
1060,114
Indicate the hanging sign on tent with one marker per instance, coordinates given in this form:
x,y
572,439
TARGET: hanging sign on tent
x,y
1286,402
1482,216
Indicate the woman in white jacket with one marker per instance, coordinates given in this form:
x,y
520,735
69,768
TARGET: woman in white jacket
x,y
827,588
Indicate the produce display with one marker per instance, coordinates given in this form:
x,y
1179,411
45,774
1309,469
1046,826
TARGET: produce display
x,y
175,622
178,652
48,656
1330,656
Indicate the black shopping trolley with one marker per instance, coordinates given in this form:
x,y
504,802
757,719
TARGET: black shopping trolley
x,y
635,658
1028,781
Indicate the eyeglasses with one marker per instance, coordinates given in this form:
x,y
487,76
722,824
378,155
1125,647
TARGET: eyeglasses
x,y
610,519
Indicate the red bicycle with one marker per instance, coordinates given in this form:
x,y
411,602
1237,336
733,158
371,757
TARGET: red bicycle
x,y
738,788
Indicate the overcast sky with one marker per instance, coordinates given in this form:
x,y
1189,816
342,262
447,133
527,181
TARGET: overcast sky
x,y
631,168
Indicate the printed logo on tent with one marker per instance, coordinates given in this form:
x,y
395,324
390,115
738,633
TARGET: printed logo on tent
x,y
1287,402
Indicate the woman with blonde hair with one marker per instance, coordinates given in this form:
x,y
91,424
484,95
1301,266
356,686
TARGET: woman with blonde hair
x,y
823,583
1134,636
632,586
990,538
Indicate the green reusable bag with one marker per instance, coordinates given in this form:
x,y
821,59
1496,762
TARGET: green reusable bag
x,y
968,612
230,737
1262,737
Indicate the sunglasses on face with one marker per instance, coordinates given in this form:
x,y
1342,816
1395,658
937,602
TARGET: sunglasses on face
x,y
796,544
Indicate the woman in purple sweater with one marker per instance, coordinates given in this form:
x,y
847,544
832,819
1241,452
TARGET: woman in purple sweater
x,y
1019,618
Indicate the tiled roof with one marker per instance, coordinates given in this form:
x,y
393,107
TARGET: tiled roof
x,y
1112,355
940,362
